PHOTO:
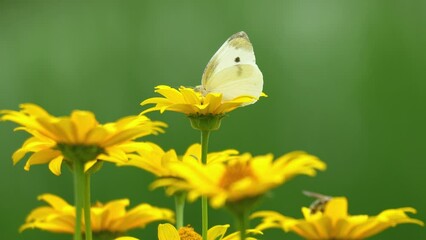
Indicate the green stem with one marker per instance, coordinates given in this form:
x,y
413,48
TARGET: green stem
x,y
204,204
205,216
87,205
179,208
204,145
243,222
78,196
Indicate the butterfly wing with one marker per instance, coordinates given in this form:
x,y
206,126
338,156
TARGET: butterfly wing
x,y
232,70
238,80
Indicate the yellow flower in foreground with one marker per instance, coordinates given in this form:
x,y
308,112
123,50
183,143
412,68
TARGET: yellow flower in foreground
x,y
55,137
335,223
111,217
191,102
156,160
241,177
169,232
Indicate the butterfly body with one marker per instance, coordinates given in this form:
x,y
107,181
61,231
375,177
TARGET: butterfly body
x,y
232,71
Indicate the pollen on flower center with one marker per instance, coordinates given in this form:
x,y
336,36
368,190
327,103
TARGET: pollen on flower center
x,y
235,173
188,233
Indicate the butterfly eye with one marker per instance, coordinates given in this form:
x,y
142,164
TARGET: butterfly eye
x,y
237,59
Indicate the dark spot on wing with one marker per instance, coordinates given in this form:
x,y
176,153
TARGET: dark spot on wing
x,y
237,59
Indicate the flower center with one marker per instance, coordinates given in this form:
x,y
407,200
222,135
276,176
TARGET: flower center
x,y
188,233
235,173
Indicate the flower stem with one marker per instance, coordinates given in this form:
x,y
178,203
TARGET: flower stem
x,y
204,145
87,204
205,216
179,208
78,196
243,222
204,204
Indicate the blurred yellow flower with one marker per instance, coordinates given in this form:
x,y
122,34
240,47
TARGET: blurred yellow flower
x,y
334,223
111,217
156,160
193,103
240,177
55,137
169,232
126,238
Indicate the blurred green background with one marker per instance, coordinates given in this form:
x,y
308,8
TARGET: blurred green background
x,y
345,79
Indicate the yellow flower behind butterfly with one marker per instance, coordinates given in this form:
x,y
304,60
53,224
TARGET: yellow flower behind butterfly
x,y
169,232
79,134
334,223
193,103
239,177
111,217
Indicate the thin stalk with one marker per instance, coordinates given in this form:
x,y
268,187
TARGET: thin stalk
x,y
243,222
205,216
204,145
87,204
78,196
204,204
179,209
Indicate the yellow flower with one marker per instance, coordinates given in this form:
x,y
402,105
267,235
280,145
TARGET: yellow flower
x,y
156,160
111,217
55,137
335,222
240,177
169,232
191,102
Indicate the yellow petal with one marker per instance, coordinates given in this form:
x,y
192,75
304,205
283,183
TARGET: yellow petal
x,y
41,157
170,93
126,135
190,96
141,215
167,232
96,135
336,208
32,144
89,164
193,152
55,165
217,232
55,201
55,227
40,213
214,101
126,238
33,109
83,121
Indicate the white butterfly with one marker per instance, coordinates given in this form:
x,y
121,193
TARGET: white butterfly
x,y
232,70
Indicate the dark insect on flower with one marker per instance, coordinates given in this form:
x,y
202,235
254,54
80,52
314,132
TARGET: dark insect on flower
x,y
319,204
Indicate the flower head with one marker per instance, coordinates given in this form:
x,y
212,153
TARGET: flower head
x,y
78,135
156,160
111,217
335,222
169,232
194,103
239,177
